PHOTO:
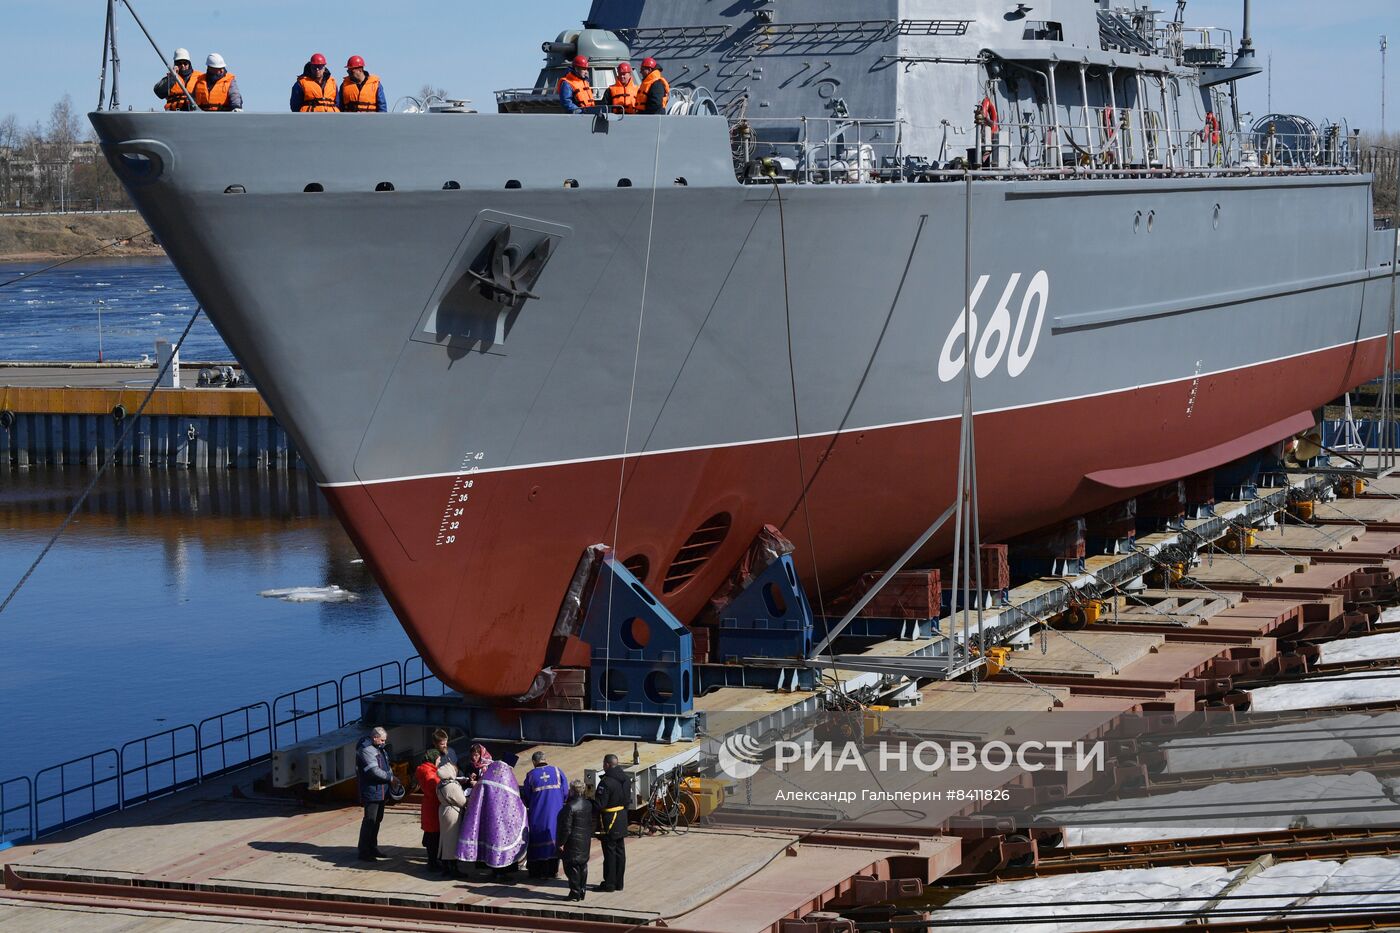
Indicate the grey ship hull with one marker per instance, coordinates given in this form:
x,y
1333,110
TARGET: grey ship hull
x,y
1130,332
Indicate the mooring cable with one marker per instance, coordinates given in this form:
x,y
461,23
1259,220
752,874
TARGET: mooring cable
x,y
627,428
127,425
26,276
796,418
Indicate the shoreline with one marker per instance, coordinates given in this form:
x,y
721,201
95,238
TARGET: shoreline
x,y
144,252
56,237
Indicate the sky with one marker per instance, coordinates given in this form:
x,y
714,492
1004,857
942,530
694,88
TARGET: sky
x,y
1326,59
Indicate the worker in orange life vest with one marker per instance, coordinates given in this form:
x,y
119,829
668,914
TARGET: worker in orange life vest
x,y
314,90
361,91
623,96
168,88
575,91
217,89
655,93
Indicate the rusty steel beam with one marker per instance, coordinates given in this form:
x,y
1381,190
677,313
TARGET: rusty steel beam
x,y
135,893
1285,846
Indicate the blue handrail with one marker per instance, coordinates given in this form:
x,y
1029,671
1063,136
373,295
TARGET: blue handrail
x,y
160,764
16,810
174,767
251,741
102,791
305,713
352,693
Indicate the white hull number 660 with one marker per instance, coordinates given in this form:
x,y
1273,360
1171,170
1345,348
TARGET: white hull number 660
x,y
999,338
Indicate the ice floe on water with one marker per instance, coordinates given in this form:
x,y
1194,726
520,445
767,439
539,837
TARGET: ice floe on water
x,y
312,594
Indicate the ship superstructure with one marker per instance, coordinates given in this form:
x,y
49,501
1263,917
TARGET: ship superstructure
x,y
663,333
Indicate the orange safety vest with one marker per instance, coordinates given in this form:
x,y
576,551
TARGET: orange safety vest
x,y
175,98
625,98
645,91
216,97
1213,127
360,98
317,98
583,91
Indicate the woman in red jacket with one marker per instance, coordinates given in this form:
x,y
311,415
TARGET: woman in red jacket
x,y
428,780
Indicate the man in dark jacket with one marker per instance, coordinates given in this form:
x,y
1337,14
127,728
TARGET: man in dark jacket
x,y
374,776
575,835
614,798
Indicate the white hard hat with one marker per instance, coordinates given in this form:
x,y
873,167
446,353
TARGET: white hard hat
x,y
182,55
215,61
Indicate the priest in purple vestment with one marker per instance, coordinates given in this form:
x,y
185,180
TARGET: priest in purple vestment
x,y
494,819
544,792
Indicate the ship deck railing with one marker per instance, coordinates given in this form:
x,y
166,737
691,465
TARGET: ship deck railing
x,y
822,150
1091,142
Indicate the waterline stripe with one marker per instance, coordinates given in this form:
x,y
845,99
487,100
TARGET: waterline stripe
x,y
873,427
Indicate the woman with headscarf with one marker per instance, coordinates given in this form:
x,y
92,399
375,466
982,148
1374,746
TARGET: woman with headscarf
x,y
428,780
451,800
494,821
480,758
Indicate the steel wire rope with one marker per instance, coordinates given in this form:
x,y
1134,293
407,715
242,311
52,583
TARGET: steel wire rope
x,y
607,684
1207,916
1246,529
796,418
1075,598
1167,566
783,850
1002,905
1138,809
26,276
127,425
870,363
1238,809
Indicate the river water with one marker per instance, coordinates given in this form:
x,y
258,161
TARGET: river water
x,y
147,614
140,301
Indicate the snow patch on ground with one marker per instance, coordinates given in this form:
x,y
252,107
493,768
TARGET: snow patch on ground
x,y
1299,884
1278,888
1358,799
1327,738
1366,648
1054,891
311,594
1342,690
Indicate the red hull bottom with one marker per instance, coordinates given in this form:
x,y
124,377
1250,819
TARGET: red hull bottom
x,y
478,592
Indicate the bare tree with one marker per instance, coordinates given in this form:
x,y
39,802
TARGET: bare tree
x,y
65,129
427,91
9,140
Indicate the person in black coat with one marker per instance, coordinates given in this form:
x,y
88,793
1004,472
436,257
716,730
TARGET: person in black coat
x,y
614,799
575,836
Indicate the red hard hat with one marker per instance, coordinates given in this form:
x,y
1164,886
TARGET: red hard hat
x,y
624,69
355,62
318,59
581,61
649,63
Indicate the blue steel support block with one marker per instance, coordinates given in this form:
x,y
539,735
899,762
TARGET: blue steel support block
x,y
769,619
714,676
524,726
642,657
881,629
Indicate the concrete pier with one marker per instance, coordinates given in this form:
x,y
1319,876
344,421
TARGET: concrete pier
x,y
74,415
